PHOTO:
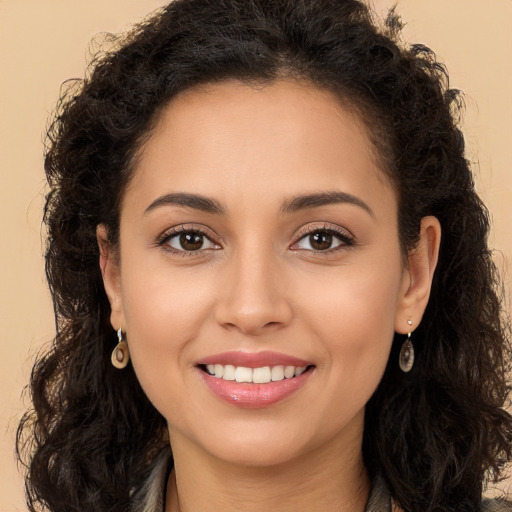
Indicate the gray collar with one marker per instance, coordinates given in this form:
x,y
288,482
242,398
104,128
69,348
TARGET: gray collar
x,y
151,497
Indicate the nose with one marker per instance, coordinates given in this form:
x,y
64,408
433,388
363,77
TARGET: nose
x,y
253,298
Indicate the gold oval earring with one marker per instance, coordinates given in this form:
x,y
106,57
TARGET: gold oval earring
x,y
120,355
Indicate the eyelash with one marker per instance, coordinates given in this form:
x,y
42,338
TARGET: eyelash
x,y
164,240
345,238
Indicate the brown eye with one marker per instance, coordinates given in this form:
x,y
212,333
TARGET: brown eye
x,y
320,241
190,241
323,240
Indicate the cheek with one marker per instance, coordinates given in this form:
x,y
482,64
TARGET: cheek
x,y
164,313
357,332
352,314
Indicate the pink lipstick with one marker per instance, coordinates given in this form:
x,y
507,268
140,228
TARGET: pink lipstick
x,y
254,380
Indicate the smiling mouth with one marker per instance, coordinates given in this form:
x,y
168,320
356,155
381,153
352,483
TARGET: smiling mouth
x,y
261,375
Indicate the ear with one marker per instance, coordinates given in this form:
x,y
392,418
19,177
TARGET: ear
x,y
418,275
110,271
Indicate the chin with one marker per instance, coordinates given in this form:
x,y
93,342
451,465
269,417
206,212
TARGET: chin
x,y
258,455
254,443
266,443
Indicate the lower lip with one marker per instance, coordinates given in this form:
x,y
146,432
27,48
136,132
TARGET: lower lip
x,y
254,396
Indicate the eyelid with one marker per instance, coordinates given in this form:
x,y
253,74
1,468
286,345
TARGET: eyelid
x,y
344,234
187,228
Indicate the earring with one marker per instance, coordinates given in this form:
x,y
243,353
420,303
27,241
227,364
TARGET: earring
x,y
120,354
406,358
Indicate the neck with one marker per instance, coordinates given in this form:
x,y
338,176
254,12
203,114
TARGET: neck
x,y
332,478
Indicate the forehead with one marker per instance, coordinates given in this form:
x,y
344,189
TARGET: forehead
x,y
229,136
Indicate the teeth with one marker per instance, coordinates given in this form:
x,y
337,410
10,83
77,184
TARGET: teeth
x,y
277,373
261,375
289,371
243,374
219,370
229,372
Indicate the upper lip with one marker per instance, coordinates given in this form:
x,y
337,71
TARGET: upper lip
x,y
254,359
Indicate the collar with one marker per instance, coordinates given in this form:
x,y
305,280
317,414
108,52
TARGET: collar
x,y
151,497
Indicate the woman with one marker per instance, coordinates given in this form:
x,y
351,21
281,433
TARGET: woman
x,y
266,252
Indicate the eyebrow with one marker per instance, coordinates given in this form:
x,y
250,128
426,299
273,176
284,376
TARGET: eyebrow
x,y
195,201
208,205
322,199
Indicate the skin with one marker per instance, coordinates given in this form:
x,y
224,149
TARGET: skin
x,y
256,284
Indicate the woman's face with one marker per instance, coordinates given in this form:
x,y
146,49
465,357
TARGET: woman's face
x,y
258,233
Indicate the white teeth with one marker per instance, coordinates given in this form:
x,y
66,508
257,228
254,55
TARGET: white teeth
x,y
243,374
229,372
289,371
261,375
219,370
277,373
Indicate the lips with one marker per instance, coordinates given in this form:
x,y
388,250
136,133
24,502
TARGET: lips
x,y
254,380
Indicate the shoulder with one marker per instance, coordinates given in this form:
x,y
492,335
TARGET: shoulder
x,y
151,497
381,501
496,505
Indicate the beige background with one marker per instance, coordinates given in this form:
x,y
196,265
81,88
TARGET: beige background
x,y
44,42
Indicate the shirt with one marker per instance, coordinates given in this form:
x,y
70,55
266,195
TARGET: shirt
x,y
151,498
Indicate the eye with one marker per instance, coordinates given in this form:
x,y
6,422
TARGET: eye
x,y
188,241
323,240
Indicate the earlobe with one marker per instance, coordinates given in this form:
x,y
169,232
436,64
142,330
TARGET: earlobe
x,y
422,262
111,276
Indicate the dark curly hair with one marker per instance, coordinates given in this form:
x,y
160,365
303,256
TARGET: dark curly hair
x,y
435,434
